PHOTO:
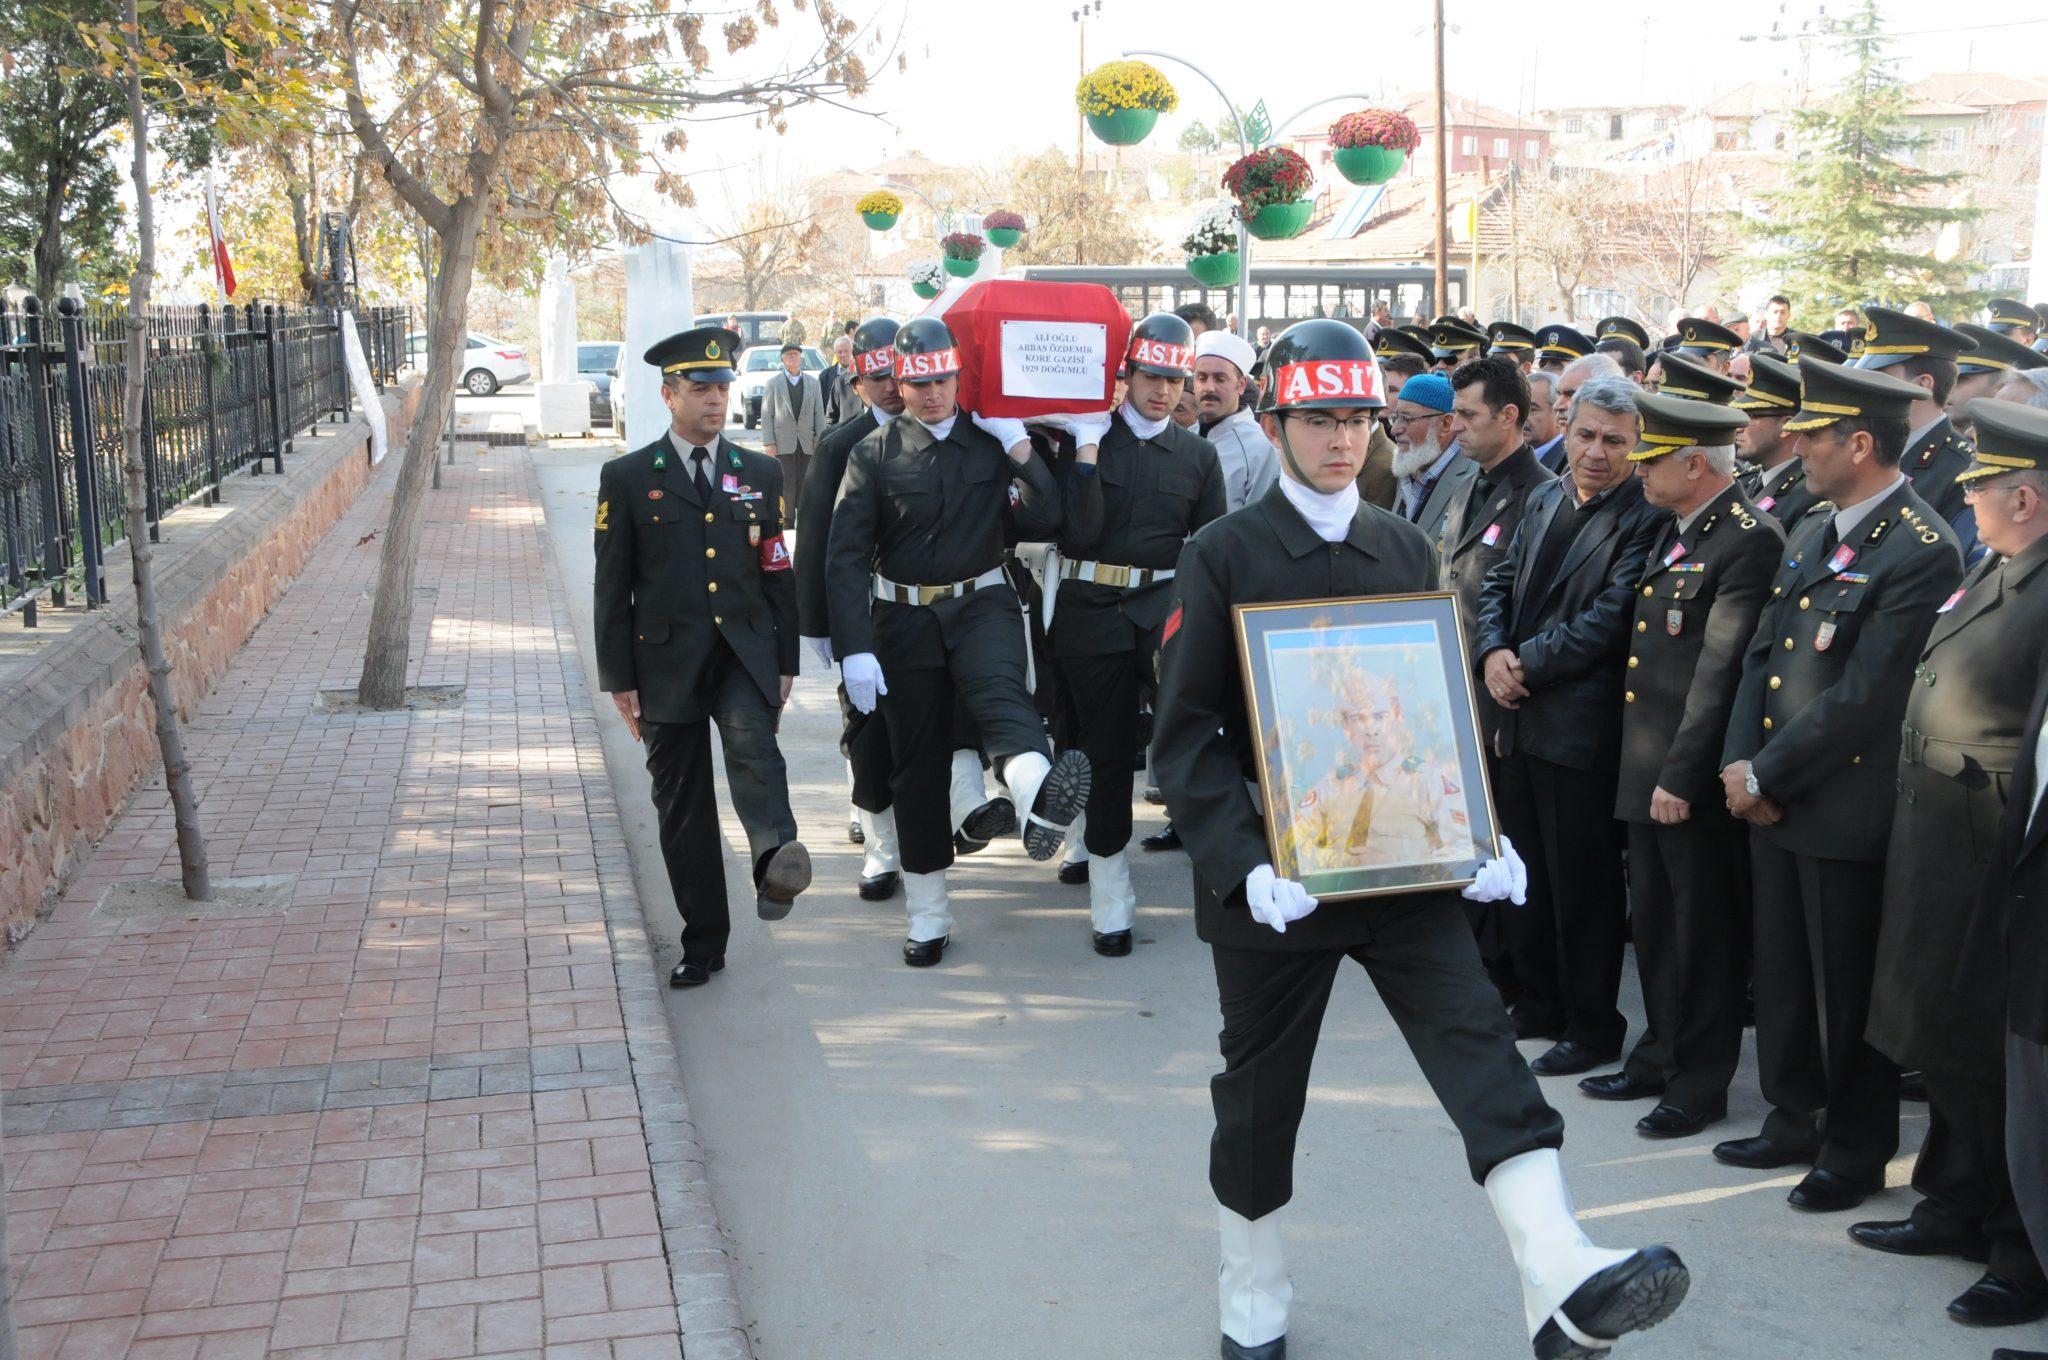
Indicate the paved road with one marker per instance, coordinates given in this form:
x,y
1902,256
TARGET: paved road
x,y
1006,1156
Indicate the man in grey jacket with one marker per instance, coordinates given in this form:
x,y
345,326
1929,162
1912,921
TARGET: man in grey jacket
x,y
1223,363
792,420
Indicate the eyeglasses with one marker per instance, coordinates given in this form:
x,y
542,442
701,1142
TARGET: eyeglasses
x,y
1398,421
1355,425
1973,491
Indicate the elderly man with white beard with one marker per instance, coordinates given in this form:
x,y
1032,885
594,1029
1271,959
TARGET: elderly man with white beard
x,y
1428,472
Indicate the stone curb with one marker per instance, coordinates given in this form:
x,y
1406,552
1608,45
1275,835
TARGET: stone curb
x,y
699,1257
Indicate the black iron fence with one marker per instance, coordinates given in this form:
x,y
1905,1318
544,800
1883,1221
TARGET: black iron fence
x,y
228,391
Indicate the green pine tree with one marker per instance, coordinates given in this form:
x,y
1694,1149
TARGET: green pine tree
x,y
1855,223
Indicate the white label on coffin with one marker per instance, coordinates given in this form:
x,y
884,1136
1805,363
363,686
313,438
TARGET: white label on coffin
x,y
1061,360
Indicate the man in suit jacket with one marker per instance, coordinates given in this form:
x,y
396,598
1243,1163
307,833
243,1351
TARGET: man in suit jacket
x,y
1708,574
1427,465
1964,725
792,419
1553,635
836,382
1813,746
696,621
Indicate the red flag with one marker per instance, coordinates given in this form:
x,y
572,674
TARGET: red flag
x,y
223,267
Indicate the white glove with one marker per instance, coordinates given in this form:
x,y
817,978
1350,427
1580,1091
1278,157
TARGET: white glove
x,y
862,676
1009,433
1088,429
1501,878
821,648
1276,901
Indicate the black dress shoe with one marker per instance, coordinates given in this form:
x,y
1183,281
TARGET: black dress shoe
x,y
1620,1086
1910,1237
1276,1349
855,834
1074,871
1669,1121
1828,1192
1995,1301
1629,1296
1913,1087
785,871
924,953
964,844
880,887
991,821
1761,1153
1568,1058
1113,944
695,972
1169,839
1529,1025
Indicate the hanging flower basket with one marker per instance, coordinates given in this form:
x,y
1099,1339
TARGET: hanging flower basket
x,y
1370,146
962,251
1281,221
1271,187
927,279
1368,164
1216,271
1123,100
962,269
1004,228
879,209
925,290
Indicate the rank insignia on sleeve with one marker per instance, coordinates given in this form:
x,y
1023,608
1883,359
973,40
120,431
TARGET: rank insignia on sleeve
x,y
604,510
1172,626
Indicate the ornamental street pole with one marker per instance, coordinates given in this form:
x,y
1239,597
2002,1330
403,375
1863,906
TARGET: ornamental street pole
x,y
1443,301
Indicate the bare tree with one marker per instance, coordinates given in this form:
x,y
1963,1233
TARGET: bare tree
x,y
1680,225
1069,223
773,241
1564,230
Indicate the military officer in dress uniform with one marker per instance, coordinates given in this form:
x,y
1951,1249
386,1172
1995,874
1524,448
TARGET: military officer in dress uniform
x,y
2015,320
1708,575
1276,956
1516,342
1131,499
1706,343
1557,345
1802,346
1694,382
1924,353
696,622
1776,480
1812,748
1453,342
923,613
1982,371
1964,723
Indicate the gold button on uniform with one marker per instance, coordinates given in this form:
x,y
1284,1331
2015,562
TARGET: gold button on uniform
x,y
1629,697
1642,627
718,618
1788,644
711,519
711,552
657,519
712,587
1767,724
1777,682
1805,601
1633,662
1649,590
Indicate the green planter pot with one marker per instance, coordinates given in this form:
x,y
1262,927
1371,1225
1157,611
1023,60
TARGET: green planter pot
x,y
1002,238
927,291
1215,271
1280,221
1125,127
880,221
1369,164
961,269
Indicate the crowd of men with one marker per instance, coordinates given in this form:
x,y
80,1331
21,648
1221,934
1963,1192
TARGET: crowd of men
x,y
1749,617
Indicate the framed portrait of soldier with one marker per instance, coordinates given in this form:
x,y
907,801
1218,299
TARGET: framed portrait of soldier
x,y
1370,764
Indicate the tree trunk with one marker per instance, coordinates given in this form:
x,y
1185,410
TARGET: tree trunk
x,y
49,251
388,649
177,769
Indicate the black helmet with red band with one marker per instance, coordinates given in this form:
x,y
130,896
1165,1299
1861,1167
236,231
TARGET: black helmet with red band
x,y
1321,365
1162,343
874,346
925,352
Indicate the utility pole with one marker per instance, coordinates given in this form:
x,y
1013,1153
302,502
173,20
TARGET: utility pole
x,y
1442,151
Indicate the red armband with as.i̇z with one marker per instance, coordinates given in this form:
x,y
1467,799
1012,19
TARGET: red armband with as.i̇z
x,y
774,554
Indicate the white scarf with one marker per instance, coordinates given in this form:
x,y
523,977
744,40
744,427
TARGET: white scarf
x,y
944,428
1329,515
1141,427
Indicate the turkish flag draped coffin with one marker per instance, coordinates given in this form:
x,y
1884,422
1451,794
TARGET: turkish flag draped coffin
x,y
1035,348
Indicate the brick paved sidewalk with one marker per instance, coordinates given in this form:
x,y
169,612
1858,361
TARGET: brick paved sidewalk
x,y
398,1115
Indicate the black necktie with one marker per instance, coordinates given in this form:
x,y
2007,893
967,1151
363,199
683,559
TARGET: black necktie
x,y
1830,540
700,468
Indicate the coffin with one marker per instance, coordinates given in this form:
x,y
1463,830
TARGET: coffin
x,y
1035,348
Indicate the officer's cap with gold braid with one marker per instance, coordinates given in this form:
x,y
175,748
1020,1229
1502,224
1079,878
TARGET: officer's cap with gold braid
x,y
1832,392
705,355
2010,314
1673,423
1683,378
1996,353
1505,337
1561,341
1393,340
1450,336
2011,437
1773,388
1801,345
1623,327
1893,338
1697,337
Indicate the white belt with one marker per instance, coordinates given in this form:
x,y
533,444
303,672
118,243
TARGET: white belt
x,y
893,593
1110,574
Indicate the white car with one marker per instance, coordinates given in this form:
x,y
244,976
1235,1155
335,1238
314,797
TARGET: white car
x,y
759,363
487,364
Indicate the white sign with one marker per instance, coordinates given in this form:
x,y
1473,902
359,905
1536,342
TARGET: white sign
x,y
1062,360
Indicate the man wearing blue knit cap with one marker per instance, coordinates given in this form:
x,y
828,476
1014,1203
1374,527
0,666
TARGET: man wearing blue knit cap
x,y
1427,469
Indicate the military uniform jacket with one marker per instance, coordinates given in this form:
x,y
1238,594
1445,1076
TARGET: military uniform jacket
x,y
1571,630
1825,680
1931,464
1782,491
919,510
814,520
677,572
1137,509
2005,953
1961,740
1476,534
1204,755
1696,611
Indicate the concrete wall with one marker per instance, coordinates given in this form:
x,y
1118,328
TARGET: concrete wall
x,y
77,731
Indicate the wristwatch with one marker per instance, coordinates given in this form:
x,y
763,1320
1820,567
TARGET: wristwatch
x,y
1749,783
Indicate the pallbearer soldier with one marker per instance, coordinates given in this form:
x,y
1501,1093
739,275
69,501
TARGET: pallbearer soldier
x,y
1924,354
1812,747
1708,576
1983,370
1558,345
1516,342
1964,724
1706,343
696,621
1776,482
866,736
1276,956
923,614
1131,502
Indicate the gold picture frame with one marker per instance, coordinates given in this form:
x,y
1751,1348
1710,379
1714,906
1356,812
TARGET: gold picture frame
x,y
1372,775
